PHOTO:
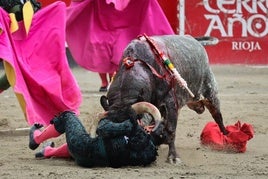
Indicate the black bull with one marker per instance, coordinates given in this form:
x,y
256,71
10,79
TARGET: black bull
x,y
141,77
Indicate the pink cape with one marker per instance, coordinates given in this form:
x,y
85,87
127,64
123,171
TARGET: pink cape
x,y
41,68
97,31
235,141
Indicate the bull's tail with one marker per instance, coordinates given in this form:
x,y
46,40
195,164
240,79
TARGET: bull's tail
x,y
207,40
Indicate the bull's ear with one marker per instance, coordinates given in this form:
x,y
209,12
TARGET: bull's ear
x,y
104,102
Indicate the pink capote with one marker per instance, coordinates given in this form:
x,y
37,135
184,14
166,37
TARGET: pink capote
x,y
97,31
41,68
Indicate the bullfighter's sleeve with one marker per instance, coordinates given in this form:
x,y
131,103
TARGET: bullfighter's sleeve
x,y
109,129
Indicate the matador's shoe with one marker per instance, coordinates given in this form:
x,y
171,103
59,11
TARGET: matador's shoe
x,y
41,153
32,144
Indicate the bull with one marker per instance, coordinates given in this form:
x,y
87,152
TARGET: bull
x,y
141,76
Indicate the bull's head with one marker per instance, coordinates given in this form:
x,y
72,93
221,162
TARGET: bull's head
x,y
140,108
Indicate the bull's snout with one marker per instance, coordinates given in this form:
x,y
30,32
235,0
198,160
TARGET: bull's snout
x,y
159,135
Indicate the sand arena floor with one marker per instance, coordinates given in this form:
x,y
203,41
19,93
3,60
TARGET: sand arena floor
x,y
243,91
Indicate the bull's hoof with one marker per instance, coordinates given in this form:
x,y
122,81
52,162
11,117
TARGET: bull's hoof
x,y
174,161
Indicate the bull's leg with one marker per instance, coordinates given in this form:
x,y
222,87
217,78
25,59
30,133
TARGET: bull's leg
x,y
213,106
173,157
172,117
212,102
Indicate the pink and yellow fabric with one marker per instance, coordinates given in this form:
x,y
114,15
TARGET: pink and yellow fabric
x,y
97,31
35,62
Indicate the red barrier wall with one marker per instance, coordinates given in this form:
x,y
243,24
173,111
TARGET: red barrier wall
x,y
47,2
240,26
170,9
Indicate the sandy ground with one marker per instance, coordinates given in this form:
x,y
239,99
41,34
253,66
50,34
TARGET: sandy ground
x,y
243,94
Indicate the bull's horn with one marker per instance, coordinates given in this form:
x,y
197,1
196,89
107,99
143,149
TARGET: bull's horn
x,y
145,107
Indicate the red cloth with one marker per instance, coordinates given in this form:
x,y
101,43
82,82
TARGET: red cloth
x,y
235,140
